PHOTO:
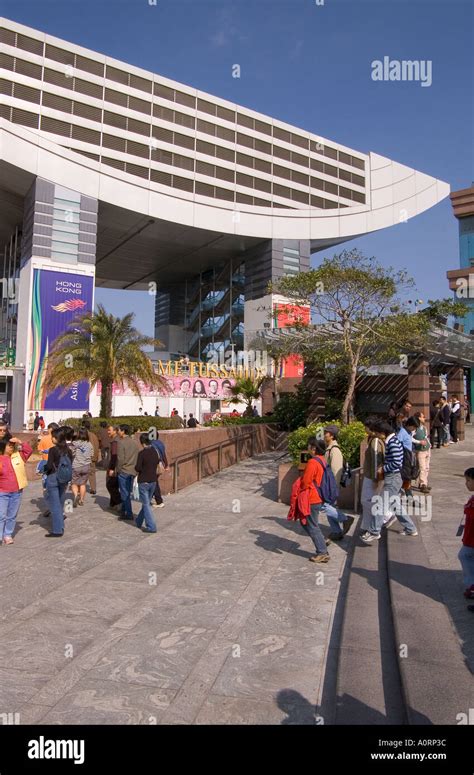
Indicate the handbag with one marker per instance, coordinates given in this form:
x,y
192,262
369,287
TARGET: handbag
x,y
135,490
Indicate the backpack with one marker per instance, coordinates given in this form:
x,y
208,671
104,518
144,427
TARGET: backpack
x,y
64,470
328,490
410,466
346,475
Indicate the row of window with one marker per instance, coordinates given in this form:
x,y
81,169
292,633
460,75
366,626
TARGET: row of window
x,y
123,145
120,121
68,80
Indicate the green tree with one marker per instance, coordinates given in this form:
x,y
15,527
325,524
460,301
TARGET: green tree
x,y
361,317
98,347
246,390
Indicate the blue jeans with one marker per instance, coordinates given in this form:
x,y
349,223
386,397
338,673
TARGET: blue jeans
x,y
9,507
313,530
335,517
56,496
146,490
390,505
125,483
466,558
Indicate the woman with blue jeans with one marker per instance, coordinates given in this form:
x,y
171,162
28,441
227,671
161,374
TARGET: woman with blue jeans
x,y
13,455
147,463
56,490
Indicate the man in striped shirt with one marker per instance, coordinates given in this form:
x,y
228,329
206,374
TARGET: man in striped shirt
x,y
392,507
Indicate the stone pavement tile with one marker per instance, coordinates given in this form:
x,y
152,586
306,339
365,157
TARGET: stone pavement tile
x,y
157,653
17,686
290,613
288,709
97,599
28,586
110,702
271,662
42,643
185,545
32,713
137,568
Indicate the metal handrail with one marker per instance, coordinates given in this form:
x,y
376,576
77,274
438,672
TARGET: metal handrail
x,y
219,446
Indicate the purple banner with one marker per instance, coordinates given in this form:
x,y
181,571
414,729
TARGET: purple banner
x,y
58,298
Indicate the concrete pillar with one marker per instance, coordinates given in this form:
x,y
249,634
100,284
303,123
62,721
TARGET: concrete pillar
x,y
419,385
56,283
456,387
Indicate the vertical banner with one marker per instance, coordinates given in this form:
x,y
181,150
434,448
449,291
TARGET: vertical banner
x,y
57,297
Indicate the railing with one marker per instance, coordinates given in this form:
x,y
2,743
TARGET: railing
x,y
219,446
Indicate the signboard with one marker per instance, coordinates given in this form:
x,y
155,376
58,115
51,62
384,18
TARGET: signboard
x,y
57,298
287,315
183,386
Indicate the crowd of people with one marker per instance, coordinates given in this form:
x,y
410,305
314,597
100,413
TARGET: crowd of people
x,y
69,458
396,461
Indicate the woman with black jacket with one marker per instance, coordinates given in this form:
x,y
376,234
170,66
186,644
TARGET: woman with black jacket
x,y
56,488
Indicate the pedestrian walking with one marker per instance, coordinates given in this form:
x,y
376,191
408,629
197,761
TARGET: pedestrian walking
x,y
445,415
111,479
147,462
13,480
59,473
163,465
82,451
372,484
436,425
311,481
104,444
36,421
466,529
421,446
127,454
391,507
339,522
95,456
454,419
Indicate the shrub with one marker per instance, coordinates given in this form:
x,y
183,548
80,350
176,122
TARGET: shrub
x,y
239,421
292,409
138,423
349,439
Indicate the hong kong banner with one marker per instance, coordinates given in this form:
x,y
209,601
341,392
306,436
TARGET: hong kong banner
x,y
58,298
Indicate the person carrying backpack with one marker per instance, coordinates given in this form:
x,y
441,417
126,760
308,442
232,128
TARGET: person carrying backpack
x,y
58,475
335,460
312,481
391,507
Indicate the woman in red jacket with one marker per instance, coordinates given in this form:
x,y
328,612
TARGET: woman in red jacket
x,y
13,455
466,553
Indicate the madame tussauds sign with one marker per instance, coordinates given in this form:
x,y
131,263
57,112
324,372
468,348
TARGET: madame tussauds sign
x,y
209,370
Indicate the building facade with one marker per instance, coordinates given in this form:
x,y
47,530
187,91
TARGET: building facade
x,y
113,176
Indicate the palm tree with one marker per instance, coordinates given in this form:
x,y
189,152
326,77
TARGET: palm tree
x,y
246,390
99,347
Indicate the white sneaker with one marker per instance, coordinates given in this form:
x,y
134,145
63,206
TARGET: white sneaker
x,y
158,505
411,535
369,537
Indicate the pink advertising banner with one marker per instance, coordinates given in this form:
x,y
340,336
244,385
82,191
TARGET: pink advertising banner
x,y
187,387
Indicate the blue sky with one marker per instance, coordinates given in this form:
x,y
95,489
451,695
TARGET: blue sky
x,y
309,65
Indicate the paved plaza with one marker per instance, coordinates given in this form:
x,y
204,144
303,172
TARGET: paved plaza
x,y
218,618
